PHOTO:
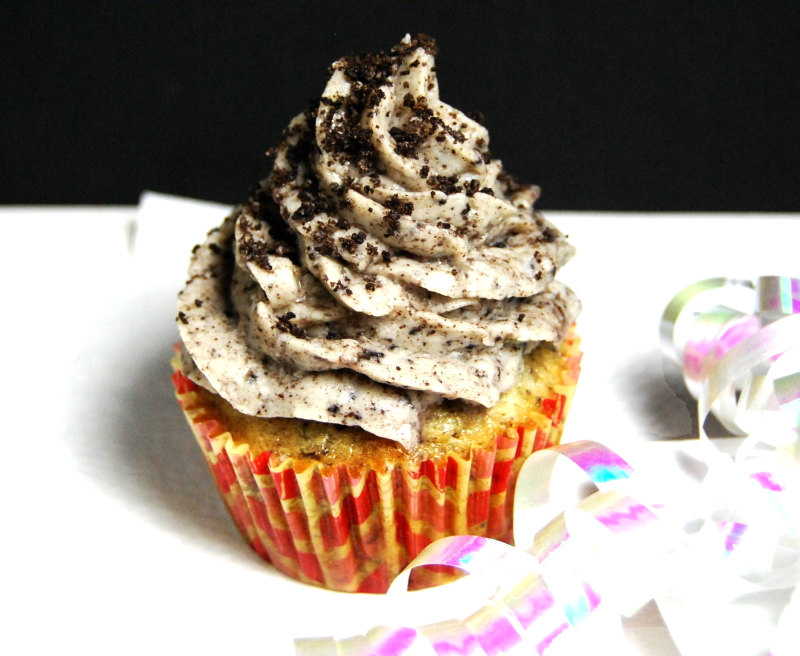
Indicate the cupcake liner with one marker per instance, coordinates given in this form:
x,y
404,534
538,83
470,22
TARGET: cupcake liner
x,y
354,529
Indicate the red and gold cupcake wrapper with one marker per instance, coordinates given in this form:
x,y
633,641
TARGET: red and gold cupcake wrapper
x,y
354,529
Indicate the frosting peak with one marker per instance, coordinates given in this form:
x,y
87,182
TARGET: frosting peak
x,y
387,263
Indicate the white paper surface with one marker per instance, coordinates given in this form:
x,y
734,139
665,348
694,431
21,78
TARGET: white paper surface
x,y
118,541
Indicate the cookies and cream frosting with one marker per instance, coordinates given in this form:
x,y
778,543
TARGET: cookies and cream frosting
x,y
386,264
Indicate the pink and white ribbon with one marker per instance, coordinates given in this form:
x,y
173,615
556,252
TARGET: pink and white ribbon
x,y
739,345
575,571
578,566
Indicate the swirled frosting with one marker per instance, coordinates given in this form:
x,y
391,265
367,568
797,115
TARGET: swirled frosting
x,y
386,264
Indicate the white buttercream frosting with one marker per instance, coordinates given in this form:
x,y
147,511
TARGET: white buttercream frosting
x,y
387,263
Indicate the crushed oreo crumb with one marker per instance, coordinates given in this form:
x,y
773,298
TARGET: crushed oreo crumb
x,y
399,206
285,325
368,354
392,220
447,184
471,187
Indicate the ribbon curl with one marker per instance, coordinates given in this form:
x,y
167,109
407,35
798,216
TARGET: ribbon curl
x,y
570,568
577,567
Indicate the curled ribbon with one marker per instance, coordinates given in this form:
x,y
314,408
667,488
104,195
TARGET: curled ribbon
x,y
740,362
577,567
745,369
573,572
738,343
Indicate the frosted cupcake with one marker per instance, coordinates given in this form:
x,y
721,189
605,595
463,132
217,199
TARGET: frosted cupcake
x,y
373,343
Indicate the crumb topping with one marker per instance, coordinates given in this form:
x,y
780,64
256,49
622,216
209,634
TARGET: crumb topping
x,y
387,264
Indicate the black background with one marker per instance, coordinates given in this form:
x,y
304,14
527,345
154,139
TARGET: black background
x,y
606,105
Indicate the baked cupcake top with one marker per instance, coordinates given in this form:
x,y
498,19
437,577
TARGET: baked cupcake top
x,y
386,264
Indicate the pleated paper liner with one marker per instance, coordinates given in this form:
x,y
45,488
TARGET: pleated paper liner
x,y
354,529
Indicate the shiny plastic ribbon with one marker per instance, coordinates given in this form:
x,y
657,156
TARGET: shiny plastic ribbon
x,y
571,568
741,363
578,566
744,367
738,343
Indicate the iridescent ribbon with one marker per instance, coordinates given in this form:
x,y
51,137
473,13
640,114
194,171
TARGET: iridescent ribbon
x,y
571,568
577,567
741,363
739,345
745,369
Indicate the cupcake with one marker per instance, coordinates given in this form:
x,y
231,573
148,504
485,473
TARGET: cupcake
x,y
373,343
